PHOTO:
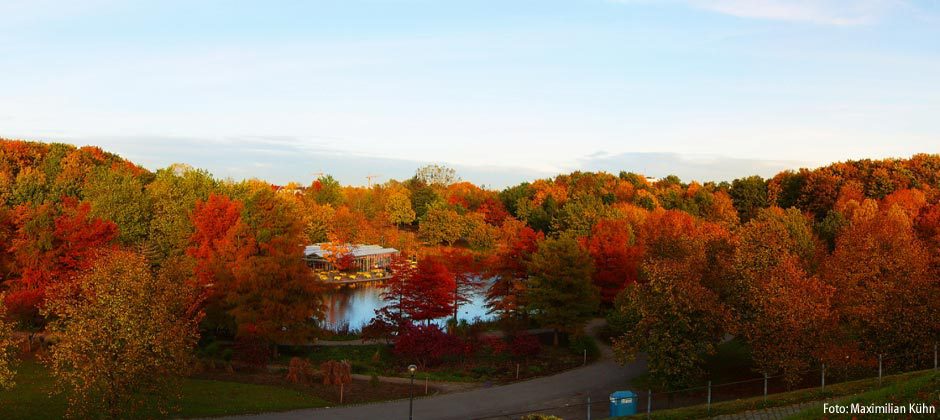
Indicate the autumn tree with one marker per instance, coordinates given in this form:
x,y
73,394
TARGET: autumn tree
x,y
126,337
429,292
508,266
479,234
318,221
616,257
791,324
394,314
560,294
887,297
467,281
53,241
254,259
398,207
441,225
216,222
7,350
782,309
674,313
672,318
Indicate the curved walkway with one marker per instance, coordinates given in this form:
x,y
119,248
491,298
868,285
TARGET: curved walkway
x,y
549,394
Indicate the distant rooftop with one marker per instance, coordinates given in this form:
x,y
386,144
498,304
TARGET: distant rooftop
x,y
357,250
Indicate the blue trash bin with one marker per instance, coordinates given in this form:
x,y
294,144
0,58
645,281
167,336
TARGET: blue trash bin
x,y
622,403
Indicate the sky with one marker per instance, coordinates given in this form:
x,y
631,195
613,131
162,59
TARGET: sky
x,y
502,90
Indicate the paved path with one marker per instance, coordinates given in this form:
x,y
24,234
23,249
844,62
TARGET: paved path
x,y
419,383
549,395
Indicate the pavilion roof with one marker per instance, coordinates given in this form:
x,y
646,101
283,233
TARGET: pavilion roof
x,y
357,250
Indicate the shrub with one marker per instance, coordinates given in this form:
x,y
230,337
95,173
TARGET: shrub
x,y
579,344
299,371
495,346
251,349
524,346
426,345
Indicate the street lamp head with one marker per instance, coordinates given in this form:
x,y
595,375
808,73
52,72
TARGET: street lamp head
x,y
412,369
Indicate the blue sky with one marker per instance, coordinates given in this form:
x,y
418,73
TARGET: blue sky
x,y
503,90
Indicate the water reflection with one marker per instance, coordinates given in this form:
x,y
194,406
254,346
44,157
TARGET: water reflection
x,y
356,306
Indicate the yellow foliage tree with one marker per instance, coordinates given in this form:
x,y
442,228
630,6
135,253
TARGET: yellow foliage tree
x,y
126,337
7,350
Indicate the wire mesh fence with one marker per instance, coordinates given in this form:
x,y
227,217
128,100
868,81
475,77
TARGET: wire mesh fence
x,y
596,405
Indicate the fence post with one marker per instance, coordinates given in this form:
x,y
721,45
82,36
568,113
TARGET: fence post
x,y
934,357
708,406
879,370
589,408
517,371
765,387
649,402
585,357
824,377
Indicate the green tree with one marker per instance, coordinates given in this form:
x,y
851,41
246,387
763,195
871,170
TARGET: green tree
x,y
173,195
119,196
672,318
326,190
749,195
560,293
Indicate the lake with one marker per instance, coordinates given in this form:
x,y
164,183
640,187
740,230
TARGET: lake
x,y
356,306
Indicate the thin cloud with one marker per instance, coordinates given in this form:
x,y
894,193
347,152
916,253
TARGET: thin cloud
x,y
821,12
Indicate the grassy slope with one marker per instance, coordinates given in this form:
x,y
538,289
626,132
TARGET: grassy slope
x,y
794,397
31,399
920,389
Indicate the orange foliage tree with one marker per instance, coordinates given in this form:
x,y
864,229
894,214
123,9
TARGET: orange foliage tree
x,y
887,298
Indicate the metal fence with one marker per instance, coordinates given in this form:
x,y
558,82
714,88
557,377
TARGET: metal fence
x,y
595,405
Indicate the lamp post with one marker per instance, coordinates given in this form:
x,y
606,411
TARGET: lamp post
x,y
411,401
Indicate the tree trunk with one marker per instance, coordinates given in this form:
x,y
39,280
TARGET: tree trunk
x,y
456,305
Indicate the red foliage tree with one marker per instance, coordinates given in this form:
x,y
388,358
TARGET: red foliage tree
x,y
508,268
430,291
616,257
394,315
214,224
467,281
52,243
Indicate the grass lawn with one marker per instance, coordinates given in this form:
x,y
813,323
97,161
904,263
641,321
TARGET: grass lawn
x,y
899,383
920,389
378,359
31,398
